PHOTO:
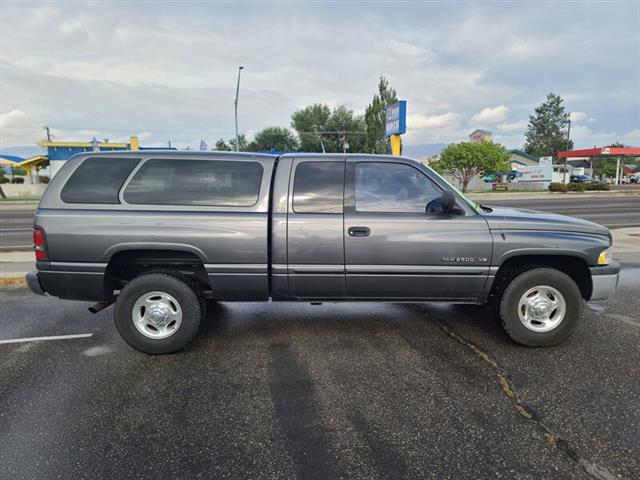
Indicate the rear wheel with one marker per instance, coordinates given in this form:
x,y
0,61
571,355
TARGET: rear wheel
x,y
158,313
540,307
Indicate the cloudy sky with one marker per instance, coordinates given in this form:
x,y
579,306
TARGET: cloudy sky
x,y
165,70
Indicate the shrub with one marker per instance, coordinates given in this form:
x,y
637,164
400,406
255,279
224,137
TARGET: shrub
x,y
4,180
557,187
44,179
577,187
599,186
17,180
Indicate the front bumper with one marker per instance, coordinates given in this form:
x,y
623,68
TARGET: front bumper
x,y
604,280
33,282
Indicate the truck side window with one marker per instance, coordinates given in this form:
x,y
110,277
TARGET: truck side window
x,y
98,180
392,188
178,181
318,187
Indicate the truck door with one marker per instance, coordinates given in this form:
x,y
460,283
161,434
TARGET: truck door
x,y
315,225
394,250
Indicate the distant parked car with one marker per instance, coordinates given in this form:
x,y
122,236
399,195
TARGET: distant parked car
x,y
582,179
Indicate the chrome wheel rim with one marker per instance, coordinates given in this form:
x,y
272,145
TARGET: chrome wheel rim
x,y
157,315
542,308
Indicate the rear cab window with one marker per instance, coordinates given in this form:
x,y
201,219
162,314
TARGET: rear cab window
x,y
98,180
179,181
318,187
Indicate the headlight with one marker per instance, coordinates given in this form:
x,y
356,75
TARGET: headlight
x,y
605,257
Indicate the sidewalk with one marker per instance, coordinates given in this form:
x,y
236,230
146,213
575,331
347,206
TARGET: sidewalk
x,y
626,244
16,264
486,196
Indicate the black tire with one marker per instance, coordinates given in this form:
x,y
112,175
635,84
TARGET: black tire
x,y
520,284
184,292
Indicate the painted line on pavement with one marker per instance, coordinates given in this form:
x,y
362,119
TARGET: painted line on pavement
x,y
41,339
624,318
9,248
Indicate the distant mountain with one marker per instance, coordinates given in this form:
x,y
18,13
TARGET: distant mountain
x,y
421,151
24,152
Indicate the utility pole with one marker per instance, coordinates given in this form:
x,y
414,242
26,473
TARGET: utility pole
x,y
46,129
564,176
237,94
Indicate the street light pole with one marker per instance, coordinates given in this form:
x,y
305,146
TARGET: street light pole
x,y
236,110
564,176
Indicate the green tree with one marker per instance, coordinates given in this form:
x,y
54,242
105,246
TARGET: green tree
x,y
310,123
242,142
279,139
222,146
348,130
374,118
465,160
604,166
321,129
547,130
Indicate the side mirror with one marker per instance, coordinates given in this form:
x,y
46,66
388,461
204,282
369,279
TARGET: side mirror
x,y
448,201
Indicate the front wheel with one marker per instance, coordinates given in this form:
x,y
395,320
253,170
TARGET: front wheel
x,y
158,313
540,307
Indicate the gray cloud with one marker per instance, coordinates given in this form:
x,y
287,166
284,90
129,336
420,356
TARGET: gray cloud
x,y
168,72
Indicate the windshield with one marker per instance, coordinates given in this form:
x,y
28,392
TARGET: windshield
x,y
476,206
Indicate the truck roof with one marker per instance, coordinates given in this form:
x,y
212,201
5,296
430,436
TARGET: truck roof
x,y
233,155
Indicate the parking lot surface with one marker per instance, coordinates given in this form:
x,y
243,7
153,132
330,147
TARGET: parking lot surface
x,y
283,390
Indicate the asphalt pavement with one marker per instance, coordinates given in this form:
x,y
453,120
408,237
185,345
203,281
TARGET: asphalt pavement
x,y
16,226
614,212
290,390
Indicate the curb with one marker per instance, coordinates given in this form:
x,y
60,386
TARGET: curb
x,y
12,281
14,256
550,195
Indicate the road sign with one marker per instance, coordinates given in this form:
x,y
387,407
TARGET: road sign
x,y
535,174
395,118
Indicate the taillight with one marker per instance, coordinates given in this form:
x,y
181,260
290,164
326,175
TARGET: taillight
x,y
39,244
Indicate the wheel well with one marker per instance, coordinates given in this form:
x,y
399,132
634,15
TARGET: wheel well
x,y
126,265
575,267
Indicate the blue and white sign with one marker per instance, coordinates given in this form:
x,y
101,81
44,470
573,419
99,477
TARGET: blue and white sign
x,y
395,118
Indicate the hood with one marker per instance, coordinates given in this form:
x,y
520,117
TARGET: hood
x,y
504,218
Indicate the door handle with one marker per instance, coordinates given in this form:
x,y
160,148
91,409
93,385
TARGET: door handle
x,y
359,231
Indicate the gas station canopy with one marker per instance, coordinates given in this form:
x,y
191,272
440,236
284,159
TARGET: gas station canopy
x,y
601,152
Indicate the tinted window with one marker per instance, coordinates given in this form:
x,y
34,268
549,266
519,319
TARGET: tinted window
x,y
178,181
98,180
393,187
318,187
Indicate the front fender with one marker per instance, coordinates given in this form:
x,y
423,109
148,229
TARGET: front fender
x,y
512,243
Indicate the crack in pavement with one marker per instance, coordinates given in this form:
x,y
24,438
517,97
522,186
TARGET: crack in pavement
x,y
504,381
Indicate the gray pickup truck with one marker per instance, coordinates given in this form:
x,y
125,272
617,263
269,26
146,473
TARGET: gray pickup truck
x,y
160,233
